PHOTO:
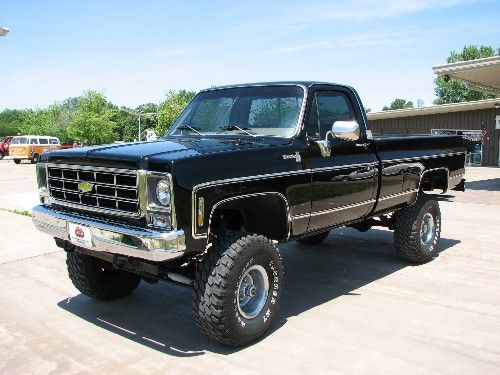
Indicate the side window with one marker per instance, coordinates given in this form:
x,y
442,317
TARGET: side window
x,y
328,107
44,141
33,141
53,141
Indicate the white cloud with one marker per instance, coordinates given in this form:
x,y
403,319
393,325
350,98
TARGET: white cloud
x,y
314,12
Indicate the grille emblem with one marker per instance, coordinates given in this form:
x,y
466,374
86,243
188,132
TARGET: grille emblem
x,y
85,187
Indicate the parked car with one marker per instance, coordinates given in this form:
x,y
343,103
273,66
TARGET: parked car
x,y
4,146
31,147
243,169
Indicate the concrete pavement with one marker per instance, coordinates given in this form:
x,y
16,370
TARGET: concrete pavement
x,y
350,305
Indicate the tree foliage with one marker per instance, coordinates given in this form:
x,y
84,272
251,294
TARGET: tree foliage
x,y
455,91
94,120
11,121
398,104
171,107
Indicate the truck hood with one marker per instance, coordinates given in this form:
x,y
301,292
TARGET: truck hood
x,y
154,155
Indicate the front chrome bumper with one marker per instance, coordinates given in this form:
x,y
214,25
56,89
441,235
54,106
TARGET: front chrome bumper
x,y
140,243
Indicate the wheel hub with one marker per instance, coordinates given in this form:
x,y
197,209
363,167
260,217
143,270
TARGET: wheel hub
x,y
253,291
427,229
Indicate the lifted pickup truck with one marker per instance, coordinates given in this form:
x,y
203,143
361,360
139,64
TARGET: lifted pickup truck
x,y
243,169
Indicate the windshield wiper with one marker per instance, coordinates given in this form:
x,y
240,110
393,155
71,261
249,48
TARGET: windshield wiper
x,y
236,127
188,127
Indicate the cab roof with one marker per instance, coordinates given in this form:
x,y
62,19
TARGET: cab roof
x,y
306,84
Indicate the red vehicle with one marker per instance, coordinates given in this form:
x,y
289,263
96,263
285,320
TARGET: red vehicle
x,y
4,146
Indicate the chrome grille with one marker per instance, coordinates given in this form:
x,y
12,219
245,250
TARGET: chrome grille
x,y
100,189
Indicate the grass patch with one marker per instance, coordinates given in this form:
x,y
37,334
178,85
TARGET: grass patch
x,y
16,211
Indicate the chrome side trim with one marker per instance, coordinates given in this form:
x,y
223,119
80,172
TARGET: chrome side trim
x,y
134,242
423,157
249,196
336,209
279,174
397,195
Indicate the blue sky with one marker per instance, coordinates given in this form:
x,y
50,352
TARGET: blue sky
x,y
135,51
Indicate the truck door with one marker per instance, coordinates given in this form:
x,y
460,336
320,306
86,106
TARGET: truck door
x,y
344,183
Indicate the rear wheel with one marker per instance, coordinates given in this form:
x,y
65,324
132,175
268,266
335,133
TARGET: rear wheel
x,y
417,230
98,279
17,161
35,158
314,239
238,288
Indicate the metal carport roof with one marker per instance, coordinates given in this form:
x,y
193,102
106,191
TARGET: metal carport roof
x,y
481,74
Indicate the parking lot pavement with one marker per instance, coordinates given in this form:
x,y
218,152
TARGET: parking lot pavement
x,y
17,185
350,306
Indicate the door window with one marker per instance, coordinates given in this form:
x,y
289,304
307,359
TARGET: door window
x,y
328,107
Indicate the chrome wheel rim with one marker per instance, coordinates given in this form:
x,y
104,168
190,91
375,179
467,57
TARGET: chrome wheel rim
x,y
427,229
253,290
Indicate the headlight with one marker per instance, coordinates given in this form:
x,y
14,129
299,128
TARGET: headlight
x,y
163,192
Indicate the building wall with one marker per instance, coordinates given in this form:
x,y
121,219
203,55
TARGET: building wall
x,y
466,120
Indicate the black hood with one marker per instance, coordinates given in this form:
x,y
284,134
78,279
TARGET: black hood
x,y
140,155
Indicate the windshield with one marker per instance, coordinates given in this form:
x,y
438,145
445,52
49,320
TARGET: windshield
x,y
251,111
19,141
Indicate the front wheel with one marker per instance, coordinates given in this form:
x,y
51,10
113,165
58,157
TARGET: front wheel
x,y
238,287
417,230
98,279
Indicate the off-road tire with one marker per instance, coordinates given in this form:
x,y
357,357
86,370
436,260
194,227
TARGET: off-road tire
x,y
314,239
217,280
98,279
17,161
407,226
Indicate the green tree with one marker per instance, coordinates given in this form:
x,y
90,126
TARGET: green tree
x,y
11,121
171,107
398,104
454,91
94,120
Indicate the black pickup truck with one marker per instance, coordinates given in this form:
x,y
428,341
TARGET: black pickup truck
x,y
243,169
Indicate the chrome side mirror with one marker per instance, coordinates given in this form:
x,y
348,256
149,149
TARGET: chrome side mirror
x,y
346,130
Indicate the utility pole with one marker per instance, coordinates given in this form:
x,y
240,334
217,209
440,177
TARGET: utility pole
x,y
138,114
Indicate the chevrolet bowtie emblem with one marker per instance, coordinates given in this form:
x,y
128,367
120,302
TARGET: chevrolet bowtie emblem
x,y
85,187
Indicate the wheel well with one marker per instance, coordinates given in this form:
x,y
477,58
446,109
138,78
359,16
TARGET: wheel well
x,y
265,214
433,179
